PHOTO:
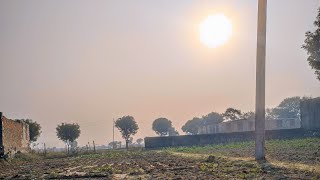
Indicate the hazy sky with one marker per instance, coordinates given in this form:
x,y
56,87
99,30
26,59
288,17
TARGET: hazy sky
x,y
91,61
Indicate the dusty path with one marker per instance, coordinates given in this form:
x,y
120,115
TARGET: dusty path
x,y
148,165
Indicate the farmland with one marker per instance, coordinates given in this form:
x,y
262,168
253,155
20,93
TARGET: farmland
x,y
286,159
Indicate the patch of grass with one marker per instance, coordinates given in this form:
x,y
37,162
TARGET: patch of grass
x,y
213,148
305,143
247,148
25,157
105,168
56,155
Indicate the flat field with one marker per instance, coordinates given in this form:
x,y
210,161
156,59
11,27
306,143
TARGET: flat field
x,y
286,159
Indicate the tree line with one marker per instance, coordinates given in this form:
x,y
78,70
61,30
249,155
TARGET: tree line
x,y
128,127
288,108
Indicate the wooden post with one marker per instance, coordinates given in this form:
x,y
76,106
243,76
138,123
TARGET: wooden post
x,y
94,147
260,81
44,149
89,146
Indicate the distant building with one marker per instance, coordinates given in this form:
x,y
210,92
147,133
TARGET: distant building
x,y
310,113
15,136
243,125
309,120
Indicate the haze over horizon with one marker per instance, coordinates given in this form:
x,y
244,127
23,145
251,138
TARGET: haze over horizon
x,y
91,61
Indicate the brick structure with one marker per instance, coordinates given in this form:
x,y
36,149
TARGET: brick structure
x,y
15,136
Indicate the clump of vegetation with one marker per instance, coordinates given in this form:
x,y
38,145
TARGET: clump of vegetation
x,y
105,168
27,157
55,155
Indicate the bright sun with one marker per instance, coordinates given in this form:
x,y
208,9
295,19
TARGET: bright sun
x,y
215,30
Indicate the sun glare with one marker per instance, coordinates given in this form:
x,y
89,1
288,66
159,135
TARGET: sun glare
x,y
215,30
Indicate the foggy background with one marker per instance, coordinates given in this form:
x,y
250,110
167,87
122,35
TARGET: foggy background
x,y
91,61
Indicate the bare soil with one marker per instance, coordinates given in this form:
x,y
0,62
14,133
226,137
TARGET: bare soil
x,y
168,164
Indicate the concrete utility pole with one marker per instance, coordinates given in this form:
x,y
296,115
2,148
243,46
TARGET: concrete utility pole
x,y
260,81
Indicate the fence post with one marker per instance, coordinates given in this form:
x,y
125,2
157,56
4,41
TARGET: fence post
x,y
44,149
94,147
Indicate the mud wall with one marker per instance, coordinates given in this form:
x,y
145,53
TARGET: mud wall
x,y
220,138
15,136
1,142
310,113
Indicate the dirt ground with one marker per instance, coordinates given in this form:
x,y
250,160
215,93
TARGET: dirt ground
x,y
149,165
176,163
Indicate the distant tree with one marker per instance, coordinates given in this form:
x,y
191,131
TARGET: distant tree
x,y
192,126
130,141
116,144
68,133
270,114
248,115
111,144
312,46
173,132
232,114
162,126
288,108
212,118
128,127
139,141
34,129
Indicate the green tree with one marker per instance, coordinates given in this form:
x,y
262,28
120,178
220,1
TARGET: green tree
x,y
130,141
128,127
212,118
232,114
312,46
248,115
288,108
270,114
34,129
68,133
139,141
162,126
192,126
115,143
173,132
